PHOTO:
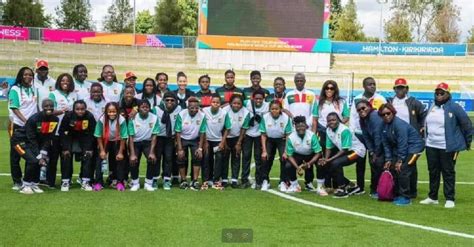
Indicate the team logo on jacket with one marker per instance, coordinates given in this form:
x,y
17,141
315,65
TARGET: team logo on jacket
x,y
115,91
150,125
450,115
413,112
281,125
308,142
198,122
51,88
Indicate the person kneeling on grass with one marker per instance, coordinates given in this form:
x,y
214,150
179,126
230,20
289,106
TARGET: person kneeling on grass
x,y
343,148
77,138
111,132
190,130
402,145
40,129
142,131
303,151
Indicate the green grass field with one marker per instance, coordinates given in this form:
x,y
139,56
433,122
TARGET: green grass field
x,y
188,217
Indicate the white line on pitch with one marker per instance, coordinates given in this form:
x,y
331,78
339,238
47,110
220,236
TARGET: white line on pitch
x,y
371,217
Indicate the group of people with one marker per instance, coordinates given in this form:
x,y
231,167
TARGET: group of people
x,y
109,126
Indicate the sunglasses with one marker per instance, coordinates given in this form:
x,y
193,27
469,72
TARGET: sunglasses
x,y
330,88
169,100
386,114
361,109
442,93
299,80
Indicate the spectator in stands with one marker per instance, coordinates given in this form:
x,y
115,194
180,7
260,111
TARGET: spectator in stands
x,y
183,93
371,125
81,85
255,79
448,130
204,95
112,89
402,147
149,92
43,84
22,105
411,111
229,88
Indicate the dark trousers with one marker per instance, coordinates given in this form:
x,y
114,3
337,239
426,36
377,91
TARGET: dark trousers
x,y
212,163
231,153
143,148
440,163
290,170
336,169
18,137
164,155
376,169
53,161
86,165
117,168
272,145
251,144
32,172
403,179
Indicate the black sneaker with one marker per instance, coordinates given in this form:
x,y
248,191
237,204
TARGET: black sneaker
x,y
340,193
175,181
184,185
195,186
360,192
245,185
234,185
225,184
354,190
309,187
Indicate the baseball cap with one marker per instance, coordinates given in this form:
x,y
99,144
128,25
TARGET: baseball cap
x,y
443,86
400,82
42,63
129,75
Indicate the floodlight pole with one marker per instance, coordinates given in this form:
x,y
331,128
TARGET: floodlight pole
x,y
381,2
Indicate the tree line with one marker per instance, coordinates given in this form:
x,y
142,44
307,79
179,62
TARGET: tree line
x,y
410,21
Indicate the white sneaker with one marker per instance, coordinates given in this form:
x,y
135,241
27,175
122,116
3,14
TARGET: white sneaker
x,y
429,201
26,190
253,186
294,188
86,186
148,187
17,186
36,189
65,186
321,191
265,185
135,187
309,187
283,187
449,204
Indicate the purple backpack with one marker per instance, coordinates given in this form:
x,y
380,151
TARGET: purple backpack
x,y
385,187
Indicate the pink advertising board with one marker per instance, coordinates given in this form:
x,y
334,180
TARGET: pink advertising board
x,y
69,36
8,32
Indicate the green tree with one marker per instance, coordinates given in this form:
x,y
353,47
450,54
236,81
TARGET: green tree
x,y
119,17
348,27
176,17
398,29
144,22
25,12
420,13
445,28
336,9
74,14
470,38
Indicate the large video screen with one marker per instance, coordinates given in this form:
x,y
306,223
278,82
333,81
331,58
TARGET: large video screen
x,y
266,18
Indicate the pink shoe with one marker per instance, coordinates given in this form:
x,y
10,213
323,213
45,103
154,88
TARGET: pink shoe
x,y
120,186
98,187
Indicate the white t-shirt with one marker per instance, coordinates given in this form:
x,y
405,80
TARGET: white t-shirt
x,y
190,127
24,100
300,103
376,100
254,131
215,123
43,89
238,120
113,91
402,109
307,145
143,128
82,89
275,128
122,134
342,110
159,113
344,138
435,128
150,99
96,108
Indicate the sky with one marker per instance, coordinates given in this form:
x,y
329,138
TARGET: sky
x,y
368,13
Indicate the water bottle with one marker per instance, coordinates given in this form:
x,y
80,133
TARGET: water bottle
x,y
43,173
105,167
